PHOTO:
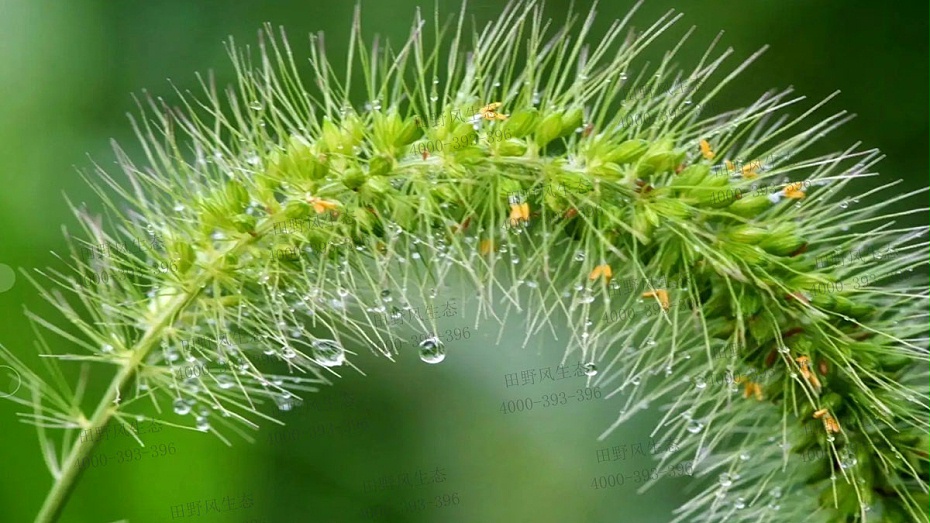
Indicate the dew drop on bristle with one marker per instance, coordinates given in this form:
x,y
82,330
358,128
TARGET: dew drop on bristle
x,y
432,351
590,369
725,480
694,427
328,353
181,407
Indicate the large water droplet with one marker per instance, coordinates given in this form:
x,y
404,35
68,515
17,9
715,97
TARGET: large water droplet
x,y
431,350
739,503
694,427
288,353
775,492
699,383
106,349
590,369
181,407
844,204
579,255
328,353
202,424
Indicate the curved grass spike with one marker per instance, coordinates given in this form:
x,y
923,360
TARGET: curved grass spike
x,y
559,182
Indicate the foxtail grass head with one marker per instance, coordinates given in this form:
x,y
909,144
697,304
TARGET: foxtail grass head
x,y
560,178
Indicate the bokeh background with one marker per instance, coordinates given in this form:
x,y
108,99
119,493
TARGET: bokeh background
x,y
67,72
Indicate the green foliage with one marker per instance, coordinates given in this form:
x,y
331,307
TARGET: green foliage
x,y
417,207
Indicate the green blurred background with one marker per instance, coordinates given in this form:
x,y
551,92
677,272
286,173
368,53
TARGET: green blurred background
x,y
67,72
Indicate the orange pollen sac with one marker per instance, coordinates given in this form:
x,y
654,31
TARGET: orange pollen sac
x,y
706,150
519,213
601,270
320,205
751,388
794,190
804,364
749,171
485,246
661,294
828,421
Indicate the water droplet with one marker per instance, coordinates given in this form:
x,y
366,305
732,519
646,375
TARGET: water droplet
x,y
694,427
386,296
181,407
579,255
848,460
256,105
783,349
744,456
288,353
739,503
725,480
328,353
431,350
699,383
225,381
844,204
202,424
284,403
775,492
590,369
106,349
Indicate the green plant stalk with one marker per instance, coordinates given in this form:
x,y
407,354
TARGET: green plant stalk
x,y
57,497
71,470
